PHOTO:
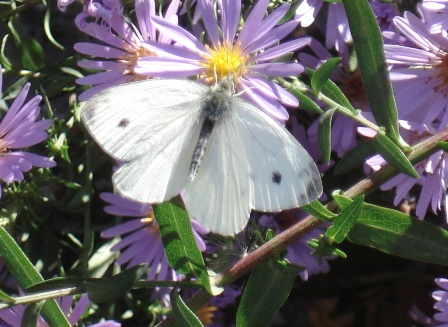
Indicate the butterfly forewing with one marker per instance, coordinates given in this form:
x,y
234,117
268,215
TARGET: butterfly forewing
x,y
153,128
128,120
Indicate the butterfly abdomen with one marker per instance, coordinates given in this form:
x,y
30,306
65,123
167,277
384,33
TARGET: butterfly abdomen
x,y
215,106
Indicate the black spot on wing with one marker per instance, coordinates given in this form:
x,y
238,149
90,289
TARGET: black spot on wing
x,y
123,123
276,177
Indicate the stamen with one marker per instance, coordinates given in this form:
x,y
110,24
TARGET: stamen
x,y
227,60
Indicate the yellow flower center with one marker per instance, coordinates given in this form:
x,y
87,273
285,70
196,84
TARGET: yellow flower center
x,y
206,313
227,60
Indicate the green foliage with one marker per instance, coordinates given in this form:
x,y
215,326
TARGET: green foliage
x,y
267,289
184,316
345,221
322,75
179,242
369,48
396,233
325,134
26,275
393,154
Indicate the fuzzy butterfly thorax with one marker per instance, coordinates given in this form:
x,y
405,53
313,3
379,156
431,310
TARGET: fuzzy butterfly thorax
x,y
215,106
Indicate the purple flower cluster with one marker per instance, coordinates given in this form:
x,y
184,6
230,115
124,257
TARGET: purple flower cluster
x,y
20,128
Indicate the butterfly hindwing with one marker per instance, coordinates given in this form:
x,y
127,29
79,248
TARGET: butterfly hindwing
x,y
283,174
221,193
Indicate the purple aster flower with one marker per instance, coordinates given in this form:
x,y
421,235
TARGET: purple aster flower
x,y
19,129
435,13
123,41
63,4
337,34
441,296
232,52
384,13
418,74
13,316
307,11
433,171
141,241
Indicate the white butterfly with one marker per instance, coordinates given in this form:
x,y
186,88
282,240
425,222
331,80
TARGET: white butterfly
x,y
228,156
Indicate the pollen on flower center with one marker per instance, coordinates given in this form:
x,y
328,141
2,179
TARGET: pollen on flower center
x,y
442,74
129,60
227,60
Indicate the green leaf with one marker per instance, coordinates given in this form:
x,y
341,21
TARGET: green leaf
x,y
26,275
178,240
31,52
396,233
443,146
344,222
369,48
324,134
12,91
111,289
331,90
4,60
305,102
291,12
324,247
318,210
5,297
267,289
323,73
354,158
47,30
101,260
393,154
184,316
31,314
59,283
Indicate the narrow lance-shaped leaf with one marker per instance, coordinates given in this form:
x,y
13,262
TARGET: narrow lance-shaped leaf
x,y
31,314
344,222
5,297
393,154
443,146
323,73
332,91
396,233
184,316
305,102
26,275
369,49
111,289
178,240
267,289
316,209
325,134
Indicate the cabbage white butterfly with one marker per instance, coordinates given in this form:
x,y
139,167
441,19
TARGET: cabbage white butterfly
x,y
228,156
